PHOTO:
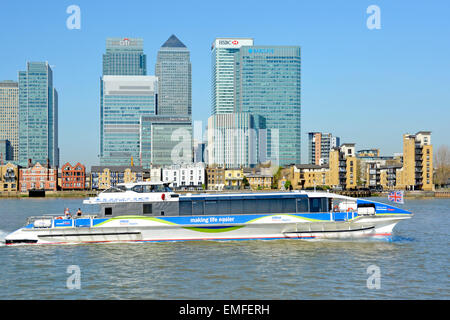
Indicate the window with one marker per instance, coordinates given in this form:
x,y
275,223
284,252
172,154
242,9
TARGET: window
x,y
108,211
302,205
147,208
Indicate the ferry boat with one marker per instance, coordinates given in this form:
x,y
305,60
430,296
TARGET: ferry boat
x,y
152,212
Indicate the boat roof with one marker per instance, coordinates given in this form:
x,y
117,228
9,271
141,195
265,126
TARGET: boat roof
x,y
266,195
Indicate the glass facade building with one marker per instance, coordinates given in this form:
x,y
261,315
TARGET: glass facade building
x,y
223,52
38,115
267,83
173,69
232,139
125,99
166,140
9,116
124,56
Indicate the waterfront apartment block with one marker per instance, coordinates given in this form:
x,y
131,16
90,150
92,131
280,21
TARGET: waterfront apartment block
x,y
307,176
73,177
233,178
104,177
417,170
124,100
215,177
343,167
319,147
9,117
124,57
186,176
38,177
9,177
173,69
38,115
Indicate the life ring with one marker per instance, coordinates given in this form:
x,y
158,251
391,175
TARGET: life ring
x,y
336,208
59,218
163,196
350,210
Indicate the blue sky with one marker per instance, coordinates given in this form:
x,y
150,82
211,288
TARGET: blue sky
x,y
366,86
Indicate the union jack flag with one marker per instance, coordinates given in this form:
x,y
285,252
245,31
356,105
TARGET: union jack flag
x,y
396,196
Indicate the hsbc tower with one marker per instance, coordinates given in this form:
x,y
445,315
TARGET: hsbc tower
x,y
223,51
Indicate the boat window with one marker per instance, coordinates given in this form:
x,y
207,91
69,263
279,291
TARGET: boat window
x,y
115,189
289,206
108,211
147,208
318,205
302,205
236,206
158,188
138,189
167,188
211,207
185,208
197,207
224,207
146,188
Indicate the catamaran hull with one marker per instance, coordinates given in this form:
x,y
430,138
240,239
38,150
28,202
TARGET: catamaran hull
x,y
123,229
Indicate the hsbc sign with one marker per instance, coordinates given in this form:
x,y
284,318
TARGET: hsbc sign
x,y
232,43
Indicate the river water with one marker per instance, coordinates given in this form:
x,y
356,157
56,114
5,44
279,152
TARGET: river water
x,y
412,264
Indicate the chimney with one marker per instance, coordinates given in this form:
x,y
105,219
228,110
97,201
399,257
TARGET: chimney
x,y
29,163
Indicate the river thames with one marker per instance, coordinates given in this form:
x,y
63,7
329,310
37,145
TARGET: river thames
x,y
412,264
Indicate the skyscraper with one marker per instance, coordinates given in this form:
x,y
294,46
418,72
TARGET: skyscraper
x,y
9,116
125,99
267,83
124,57
223,79
173,69
38,115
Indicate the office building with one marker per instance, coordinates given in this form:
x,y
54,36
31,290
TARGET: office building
x,y
38,115
267,84
232,140
124,100
319,147
173,69
9,116
165,140
223,52
124,57
6,151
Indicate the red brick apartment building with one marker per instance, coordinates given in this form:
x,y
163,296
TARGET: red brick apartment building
x,y
38,177
73,177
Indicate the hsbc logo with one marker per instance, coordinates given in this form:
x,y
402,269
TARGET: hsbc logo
x,y
228,42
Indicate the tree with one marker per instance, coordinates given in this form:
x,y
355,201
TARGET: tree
x,y
442,165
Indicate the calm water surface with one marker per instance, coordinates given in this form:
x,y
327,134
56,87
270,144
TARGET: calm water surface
x,y
414,263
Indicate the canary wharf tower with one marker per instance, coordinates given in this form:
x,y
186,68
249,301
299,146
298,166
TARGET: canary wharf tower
x,y
173,69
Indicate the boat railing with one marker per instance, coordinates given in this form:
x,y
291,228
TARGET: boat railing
x,y
51,221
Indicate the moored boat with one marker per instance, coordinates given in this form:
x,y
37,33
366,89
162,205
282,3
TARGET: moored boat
x,y
149,212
